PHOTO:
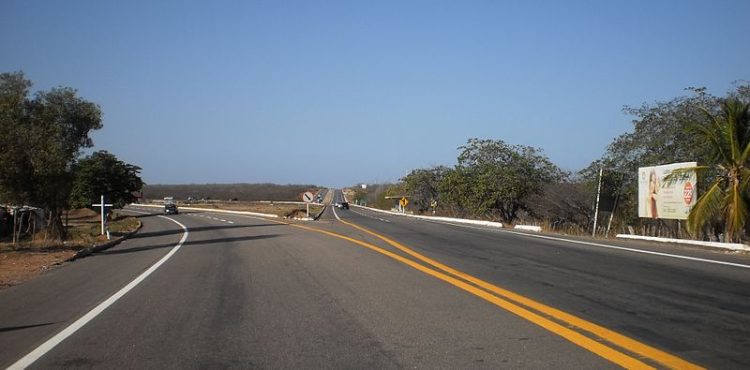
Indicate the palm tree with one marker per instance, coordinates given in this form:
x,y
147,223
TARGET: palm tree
x,y
727,134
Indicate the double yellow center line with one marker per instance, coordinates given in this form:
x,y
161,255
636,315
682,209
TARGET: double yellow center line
x,y
615,347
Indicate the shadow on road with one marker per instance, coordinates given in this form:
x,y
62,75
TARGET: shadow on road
x,y
190,242
21,327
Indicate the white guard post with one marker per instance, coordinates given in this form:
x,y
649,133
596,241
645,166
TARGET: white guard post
x,y
102,205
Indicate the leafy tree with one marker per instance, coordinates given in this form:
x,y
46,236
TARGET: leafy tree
x,y
102,173
422,185
42,137
727,134
16,171
493,178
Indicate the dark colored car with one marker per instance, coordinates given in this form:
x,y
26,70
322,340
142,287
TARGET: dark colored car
x,y
344,205
170,209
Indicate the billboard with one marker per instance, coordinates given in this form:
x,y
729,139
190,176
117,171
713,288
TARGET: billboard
x,y
659,198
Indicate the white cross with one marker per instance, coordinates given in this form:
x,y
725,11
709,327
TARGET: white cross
x,y
102,204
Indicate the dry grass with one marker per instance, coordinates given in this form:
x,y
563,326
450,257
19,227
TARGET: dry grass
x,y
32,257
18,266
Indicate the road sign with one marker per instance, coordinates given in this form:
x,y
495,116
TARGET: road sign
x,y
403,202
307,197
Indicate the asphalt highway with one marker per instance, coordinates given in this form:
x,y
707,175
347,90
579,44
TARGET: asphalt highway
x,y
362,289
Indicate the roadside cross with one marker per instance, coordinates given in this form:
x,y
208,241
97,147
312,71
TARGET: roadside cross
x,y
102,205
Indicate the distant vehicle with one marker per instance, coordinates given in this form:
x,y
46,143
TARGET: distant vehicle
x,y
170,209
342,205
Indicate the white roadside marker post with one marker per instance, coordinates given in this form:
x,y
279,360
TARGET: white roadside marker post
x,y
102,205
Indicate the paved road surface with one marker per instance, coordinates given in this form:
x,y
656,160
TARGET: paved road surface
x,y
247,292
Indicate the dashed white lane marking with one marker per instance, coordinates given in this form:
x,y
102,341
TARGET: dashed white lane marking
x,y
51,343
372,217
210,217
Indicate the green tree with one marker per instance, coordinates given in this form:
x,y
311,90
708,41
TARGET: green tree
x,y
727,134
422,186
16,173
495,179
42,138
102,173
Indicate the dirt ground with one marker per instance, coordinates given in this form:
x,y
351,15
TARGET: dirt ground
x,y
36,255
18,266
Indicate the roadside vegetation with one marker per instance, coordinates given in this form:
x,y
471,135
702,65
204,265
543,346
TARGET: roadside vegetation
x,y
37,254
43,173
516,184
225,192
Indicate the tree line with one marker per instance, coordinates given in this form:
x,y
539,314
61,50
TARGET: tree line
x,y
42,138
241,192
514,183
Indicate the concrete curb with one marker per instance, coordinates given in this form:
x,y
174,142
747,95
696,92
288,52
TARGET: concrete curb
x,y
211,210
731,246
85,252
435,218
536,229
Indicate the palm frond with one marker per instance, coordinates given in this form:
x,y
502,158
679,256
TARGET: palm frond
x,y
713,133
708,206
744,179
681,174
735,212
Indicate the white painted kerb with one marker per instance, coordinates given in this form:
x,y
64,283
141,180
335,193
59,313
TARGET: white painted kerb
x,y
537,229
732,246
434,218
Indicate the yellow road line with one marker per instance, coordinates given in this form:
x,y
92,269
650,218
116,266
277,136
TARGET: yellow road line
x,y
581,340
613,337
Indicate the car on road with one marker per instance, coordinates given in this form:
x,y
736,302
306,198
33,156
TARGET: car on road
x,y
170,209
343,205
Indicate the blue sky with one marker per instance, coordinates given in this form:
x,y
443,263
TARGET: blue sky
x,y
339,92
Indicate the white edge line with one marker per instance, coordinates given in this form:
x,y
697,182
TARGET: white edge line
x,y
334,212
51,343
634,250
697,259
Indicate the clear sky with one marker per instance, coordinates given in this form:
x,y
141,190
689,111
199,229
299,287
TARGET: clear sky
x,y
339,92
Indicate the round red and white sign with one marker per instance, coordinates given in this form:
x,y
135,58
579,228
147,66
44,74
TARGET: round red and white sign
x,y
687,193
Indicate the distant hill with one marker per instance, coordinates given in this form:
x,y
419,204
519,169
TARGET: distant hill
x,y
243,192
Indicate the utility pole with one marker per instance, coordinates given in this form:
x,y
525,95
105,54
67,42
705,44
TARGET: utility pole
x,y
598,193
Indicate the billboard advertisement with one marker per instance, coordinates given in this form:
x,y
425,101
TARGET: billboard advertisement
x,y
659,198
